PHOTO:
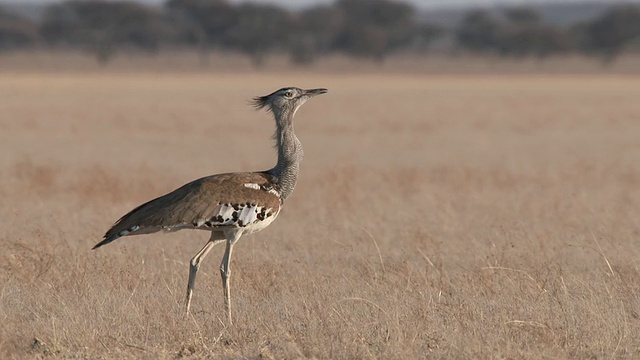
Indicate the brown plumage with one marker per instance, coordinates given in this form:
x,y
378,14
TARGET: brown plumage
x,y
196,204
228,205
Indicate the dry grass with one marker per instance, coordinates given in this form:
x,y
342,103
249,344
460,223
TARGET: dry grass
x,y
435,217
192,61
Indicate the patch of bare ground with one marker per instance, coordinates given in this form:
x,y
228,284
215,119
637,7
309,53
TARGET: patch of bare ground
x,y
435,217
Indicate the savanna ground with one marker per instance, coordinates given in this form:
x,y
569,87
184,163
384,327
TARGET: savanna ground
x,y
436,216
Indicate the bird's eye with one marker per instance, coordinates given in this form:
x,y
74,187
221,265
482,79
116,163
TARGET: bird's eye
x,y
288,94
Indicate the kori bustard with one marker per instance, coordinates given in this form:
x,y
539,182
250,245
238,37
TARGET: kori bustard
x,y
228,205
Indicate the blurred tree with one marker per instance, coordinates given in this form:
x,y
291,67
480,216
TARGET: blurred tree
x,y
314,31
479,32
259,30
424,35
16,32
103,26
522,16
203,23
611,33
540,41
520,33
375,28
524,34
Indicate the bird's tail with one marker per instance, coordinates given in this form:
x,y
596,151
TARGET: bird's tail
x,y
152,216
113,235
126,225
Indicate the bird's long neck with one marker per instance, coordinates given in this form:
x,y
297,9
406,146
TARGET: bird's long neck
x,y
289,155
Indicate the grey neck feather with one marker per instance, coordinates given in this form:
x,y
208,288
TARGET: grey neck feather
x,y
289,154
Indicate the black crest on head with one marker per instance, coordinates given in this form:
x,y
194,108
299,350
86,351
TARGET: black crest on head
x,y
259,102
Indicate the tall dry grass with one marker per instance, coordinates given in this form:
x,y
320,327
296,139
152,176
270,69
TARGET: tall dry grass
x,y
435,217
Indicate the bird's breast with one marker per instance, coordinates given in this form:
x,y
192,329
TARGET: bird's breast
x,y
251,217
260,224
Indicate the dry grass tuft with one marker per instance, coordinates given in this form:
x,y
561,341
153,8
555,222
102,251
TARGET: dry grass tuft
x,y
435,217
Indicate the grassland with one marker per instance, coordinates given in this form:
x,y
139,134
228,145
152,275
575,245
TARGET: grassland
x,y
437,216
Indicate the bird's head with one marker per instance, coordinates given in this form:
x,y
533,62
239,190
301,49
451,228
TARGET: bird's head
x,y
286,101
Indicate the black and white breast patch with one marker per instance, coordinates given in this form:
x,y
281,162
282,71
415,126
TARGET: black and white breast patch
x,y
244,215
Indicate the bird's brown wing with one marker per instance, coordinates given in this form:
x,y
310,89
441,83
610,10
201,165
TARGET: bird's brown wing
x,y
219,201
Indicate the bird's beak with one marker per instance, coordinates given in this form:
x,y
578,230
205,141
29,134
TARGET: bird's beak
x,y
314,92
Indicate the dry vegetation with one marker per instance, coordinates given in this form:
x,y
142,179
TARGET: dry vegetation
x,y
459,216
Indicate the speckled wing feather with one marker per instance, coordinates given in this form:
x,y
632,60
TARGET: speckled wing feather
x,y
214,202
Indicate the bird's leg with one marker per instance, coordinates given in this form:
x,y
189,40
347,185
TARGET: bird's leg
x,y
226,272
195,265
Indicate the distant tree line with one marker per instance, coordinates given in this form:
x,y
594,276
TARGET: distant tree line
x,y
520,32
362,28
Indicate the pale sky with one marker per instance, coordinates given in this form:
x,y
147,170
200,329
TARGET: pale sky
x,y
424,4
